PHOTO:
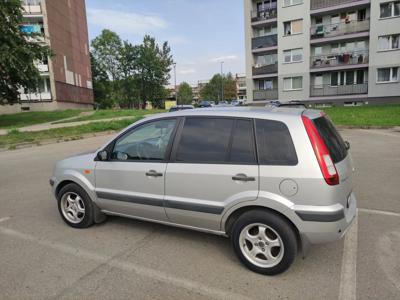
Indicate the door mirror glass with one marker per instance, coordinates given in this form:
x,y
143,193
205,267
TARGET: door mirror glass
x,y
102,155
347,144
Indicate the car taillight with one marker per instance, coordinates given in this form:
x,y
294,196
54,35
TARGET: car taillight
x,y
325,162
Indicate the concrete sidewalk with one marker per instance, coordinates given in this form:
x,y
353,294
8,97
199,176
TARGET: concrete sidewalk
x,y
51,125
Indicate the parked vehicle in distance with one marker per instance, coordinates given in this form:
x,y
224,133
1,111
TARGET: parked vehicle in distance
x,y
223,104
212,103
293,103
181,107
238,102
204,103
277,179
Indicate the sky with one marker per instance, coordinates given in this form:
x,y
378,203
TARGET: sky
x,y
201,33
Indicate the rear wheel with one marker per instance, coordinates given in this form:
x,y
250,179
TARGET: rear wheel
x,y
264,242
75,206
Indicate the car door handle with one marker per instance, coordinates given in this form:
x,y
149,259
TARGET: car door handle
x,y
242,177
153,173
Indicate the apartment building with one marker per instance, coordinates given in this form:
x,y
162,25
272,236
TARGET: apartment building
x,y
66,80
323,51
241,88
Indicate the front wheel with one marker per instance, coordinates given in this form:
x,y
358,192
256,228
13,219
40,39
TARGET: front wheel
x,y
75,206
264,242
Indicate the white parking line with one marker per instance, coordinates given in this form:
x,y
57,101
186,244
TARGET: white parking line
x,y
348,274
190,285
379,212
4,219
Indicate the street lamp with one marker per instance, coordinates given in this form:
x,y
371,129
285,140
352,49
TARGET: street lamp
x,y
176,99
222,82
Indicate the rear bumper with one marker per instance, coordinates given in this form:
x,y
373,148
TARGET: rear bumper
x,y
324,224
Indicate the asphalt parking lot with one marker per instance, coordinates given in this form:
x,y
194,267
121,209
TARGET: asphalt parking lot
x,y
41,257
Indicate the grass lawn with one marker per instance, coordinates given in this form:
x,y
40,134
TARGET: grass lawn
x,y
365,116
106,114
68,133
35,117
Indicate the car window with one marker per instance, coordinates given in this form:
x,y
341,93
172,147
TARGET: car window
x,y
205,140
242,150
333,140
274,143
146,142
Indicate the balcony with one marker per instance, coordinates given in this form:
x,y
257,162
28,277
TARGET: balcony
x,y
43,96
266,69
264,41
340,59
339,29
265,94
42,67
264,15
340,90
31,7
317,4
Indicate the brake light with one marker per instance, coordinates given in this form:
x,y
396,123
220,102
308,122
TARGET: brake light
x,y
325,162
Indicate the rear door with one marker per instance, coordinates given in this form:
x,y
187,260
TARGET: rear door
x,y
213,166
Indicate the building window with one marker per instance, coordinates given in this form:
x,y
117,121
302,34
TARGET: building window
x,y
347,77
318,81
291,2
293,27
293,55
265,31
266,5
389,42
292,83
390,9
388,75
266,84
264,60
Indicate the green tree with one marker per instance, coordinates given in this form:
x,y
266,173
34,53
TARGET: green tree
x,y
106,51
129,75
230,90
102,86
128,82
153,67
185,93
18,53
212,90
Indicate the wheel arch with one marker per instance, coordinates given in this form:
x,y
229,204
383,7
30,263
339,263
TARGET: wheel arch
x,y
98,215
233,216
62,184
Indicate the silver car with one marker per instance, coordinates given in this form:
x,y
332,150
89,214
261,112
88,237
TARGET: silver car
x,y
274,180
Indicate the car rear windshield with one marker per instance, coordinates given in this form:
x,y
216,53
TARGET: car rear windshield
x,y
333,140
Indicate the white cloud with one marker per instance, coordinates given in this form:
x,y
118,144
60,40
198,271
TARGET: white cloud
x,y
125,22
224,58
177,40
187,71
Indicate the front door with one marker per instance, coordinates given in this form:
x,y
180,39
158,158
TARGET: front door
x,y
131,182
213,167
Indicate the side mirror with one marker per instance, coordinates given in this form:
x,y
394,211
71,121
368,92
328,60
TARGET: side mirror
x,y
102,155
347,144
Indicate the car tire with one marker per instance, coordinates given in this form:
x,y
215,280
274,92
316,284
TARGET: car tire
x,y
264,242
75,206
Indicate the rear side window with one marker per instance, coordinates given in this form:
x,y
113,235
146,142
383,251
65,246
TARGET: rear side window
x,y
205,140
333,140
274,144
242,150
